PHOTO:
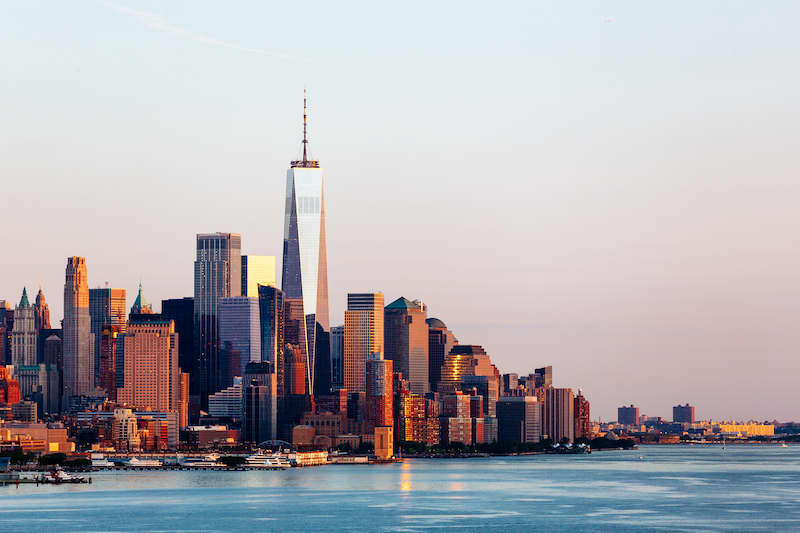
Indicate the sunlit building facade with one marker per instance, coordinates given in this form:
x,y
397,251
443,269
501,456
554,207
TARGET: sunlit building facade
x,y
78,341
558,420
106,308
406,342
23,336
363,336
257,270
440,341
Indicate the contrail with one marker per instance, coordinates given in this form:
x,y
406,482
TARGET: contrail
x,y
159,23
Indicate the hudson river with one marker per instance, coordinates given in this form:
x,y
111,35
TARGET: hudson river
x,y
655,488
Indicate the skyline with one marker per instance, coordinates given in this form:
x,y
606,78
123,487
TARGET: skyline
x,y
633,268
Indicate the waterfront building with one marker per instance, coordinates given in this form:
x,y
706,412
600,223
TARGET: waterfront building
x,y
227,403
363,336
106,308
42,312
78,341
558,415
239,336
583,423
273,325
305,261
181,311
23,336
257,270
406,342
683,414
518,419
440,341
384,442
628,415
746,429
337,357
455,430
379,392
217,275
151,377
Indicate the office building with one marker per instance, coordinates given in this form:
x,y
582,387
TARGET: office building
x,y
23,336
337,357
227,403
683,414
272,322
40,384
510,383
363,336
78,341
41,311
106,308
6,327
518,419
239,336
107,360
558,415
217,275
469,360
181,311
406,342
257,270
628,415
440,341
260,403
583,423
379,392
305,261
9,388
151,378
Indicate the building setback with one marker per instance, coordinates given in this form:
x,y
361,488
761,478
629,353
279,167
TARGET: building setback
x,y
78,341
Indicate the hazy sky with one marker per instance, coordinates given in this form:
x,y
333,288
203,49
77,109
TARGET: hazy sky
x,y
611,188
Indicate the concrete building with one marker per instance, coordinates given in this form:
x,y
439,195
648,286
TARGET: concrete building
x,y
42,312
217,275
384,443
440,341
23,336
628,415
151,378
239,336
518,419
78,341
363,336
583,423
558,421
227,403
108,359
683,414
406,342
257,270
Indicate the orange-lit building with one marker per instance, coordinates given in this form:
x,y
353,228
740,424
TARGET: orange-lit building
x,y
363,336
9,388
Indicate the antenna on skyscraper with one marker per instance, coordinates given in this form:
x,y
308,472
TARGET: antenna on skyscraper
x,y
305,125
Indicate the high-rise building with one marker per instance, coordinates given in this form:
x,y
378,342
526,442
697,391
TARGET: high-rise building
x,y
510,383
518,419
239,336
260,403
558,414
23,336
257,270
40,383
151,375
77,337
273,342
683,414
543,377
628,415
107,360
42,312
9,388
6,327
363,336
440,341
217,274
379,392
583,423
181,311
140,305
337,357
106,308
406,342
469,360
305,261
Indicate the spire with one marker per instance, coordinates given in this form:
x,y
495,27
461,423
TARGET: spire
x,y
140,304
40,297
305,126
24,301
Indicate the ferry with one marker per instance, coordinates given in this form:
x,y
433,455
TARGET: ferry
x,y
261,460
99,461
206,461
149,463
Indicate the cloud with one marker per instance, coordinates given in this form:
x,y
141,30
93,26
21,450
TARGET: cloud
x,y
159,23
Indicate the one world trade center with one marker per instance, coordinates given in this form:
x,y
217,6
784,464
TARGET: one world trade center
x,y
305,268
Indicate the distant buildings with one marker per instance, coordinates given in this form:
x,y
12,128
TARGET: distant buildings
x,y
337,357
406,342
106,308
78,339
239,336
23,336
363,336
583,423
518,419
217,274
628,415
257,270
683,414
440,341
558,421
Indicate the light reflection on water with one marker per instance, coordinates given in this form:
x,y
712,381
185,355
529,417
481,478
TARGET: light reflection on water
x,y
671,488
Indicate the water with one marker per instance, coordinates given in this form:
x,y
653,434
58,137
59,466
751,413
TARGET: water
x,y
655,488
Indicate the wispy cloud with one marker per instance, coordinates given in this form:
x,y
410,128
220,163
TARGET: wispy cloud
x,y
159,23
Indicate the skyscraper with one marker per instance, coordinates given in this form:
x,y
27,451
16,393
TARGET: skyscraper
x,y
106,308
518,419
42,312
363,336
239,336
583,424
379,392
273,344
628,415
23,336
151,375
217,274
337,357
305,260
683,414
440,341
78,339
181,311
257,270
406,342
558,420
140,305
260,403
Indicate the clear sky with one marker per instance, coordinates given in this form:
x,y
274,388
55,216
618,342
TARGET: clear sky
x,y
612,188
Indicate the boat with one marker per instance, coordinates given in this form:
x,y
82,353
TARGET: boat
x,y
99,461
783,445
149,463
261,460
57,476
206,461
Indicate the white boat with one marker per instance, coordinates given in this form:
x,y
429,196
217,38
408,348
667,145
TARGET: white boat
x,y
261,460
783,445
136,462
99,461
209,460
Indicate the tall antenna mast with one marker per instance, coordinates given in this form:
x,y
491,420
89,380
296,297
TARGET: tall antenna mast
x,y
305,126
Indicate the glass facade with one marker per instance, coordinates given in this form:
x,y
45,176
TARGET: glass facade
x,y
257,270
239,336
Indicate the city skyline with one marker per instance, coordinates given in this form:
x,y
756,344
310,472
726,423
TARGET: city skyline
x,y
650,276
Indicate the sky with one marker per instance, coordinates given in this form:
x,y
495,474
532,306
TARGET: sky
x,y
611,188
